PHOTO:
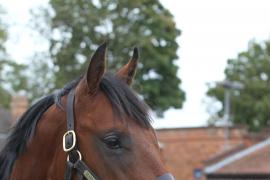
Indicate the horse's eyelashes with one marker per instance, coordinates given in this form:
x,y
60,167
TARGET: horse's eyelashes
x,y
112,141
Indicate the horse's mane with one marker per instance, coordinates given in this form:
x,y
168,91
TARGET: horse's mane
x,y
123,100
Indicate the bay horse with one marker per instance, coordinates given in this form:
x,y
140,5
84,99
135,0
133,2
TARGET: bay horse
x,y
95,128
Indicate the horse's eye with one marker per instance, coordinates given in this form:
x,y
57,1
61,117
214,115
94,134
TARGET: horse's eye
x,y
112,142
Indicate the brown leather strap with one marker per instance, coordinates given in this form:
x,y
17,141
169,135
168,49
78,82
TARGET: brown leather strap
x,y
74,160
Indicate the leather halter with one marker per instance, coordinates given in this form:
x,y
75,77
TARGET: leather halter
x,y
74,159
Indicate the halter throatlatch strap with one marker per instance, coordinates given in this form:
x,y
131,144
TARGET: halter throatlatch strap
x,y
74,159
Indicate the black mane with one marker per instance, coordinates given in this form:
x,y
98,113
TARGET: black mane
x,y
122,98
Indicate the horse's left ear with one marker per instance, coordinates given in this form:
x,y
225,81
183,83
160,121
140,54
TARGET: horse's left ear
x,y
127,72
96,68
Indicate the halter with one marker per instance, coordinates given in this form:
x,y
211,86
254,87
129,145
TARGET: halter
x,y
74,158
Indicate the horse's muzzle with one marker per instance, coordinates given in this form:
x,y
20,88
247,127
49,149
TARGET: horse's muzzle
x,y
166,176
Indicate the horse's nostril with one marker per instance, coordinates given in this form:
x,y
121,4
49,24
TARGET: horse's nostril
x,y
166,176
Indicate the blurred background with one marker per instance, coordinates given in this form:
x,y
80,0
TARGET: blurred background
x,y
204,71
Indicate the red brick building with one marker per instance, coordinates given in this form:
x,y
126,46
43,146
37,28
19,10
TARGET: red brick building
x,y
251,163
187,151
18,106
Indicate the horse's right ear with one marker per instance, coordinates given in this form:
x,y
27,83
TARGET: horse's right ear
x,y
96,68
127,72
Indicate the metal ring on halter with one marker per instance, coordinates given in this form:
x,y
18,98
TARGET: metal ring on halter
x,y
79,154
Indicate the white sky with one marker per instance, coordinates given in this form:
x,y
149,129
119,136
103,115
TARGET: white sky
x,y
212,32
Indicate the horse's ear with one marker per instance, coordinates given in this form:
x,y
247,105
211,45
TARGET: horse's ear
x,y
127,72
96,68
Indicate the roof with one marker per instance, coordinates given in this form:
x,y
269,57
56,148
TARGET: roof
x,y
250,161
227,151
2,140
197,128
5,119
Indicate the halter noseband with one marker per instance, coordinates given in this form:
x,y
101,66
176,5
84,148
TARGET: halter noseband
x,y
74,158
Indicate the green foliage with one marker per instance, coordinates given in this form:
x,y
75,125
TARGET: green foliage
x,y
4,95
78,26
3,35
42,82
12,77
251,105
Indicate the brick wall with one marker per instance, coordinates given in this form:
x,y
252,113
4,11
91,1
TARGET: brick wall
x,y
18,106
186,149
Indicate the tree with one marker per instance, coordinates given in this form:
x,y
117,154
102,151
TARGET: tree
x,y
251,105
79,26
5,96
12,76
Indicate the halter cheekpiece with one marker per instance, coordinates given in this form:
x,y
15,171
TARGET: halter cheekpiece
x,y
74,158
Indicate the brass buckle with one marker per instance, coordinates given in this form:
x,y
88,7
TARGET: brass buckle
x,y
73,138
79,154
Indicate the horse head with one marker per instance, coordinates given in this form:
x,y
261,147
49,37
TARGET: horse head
x,y
106,127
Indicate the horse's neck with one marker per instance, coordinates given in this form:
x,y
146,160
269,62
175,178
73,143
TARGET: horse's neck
x,y
46,145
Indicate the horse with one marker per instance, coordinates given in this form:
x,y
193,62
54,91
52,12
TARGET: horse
x,y
94,128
